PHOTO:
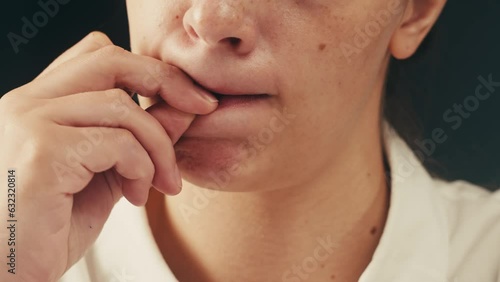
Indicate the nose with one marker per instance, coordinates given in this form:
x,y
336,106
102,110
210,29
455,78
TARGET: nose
x,y
227,23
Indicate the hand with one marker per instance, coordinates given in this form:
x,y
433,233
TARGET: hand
x,y
78,143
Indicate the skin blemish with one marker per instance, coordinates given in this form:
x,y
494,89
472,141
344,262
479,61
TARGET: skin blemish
x,y
332,277
321,46
177,17
373,231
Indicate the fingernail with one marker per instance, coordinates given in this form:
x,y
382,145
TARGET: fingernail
x,y
207,96
179,177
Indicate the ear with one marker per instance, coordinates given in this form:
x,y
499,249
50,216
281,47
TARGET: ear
x,y
418,19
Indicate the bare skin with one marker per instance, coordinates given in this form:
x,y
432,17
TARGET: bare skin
x,y
80,162
321,174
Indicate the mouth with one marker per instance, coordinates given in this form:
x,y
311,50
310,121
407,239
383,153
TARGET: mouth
x,y
238,114
227,98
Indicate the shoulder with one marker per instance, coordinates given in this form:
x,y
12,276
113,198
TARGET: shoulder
x,y
438,230
468,203
473,221
462,194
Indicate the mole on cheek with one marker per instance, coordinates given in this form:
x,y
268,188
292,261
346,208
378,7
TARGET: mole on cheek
x,y
321,46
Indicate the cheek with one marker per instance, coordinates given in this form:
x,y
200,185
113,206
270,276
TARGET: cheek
x,y
340,62
150,21
345,38
327,89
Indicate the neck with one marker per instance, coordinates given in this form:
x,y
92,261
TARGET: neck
x,y
325,229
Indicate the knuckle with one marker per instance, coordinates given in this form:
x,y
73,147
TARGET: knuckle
x,y
6,97
165,71
158,73
56,163
22,123
115,93
118,97
108,51
144,167
13,109
37,150
8,102
123,137
146,170
100,39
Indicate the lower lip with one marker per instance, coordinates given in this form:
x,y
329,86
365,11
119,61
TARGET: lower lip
x,y
237,116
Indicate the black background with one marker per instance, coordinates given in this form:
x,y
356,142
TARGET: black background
x,y
464,44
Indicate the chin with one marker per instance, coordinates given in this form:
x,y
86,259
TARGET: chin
x,y
217,164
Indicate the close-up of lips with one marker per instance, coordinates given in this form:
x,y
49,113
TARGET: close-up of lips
x,y
229,98
249,141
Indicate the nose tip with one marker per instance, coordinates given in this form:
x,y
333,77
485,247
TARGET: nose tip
x,y
221,25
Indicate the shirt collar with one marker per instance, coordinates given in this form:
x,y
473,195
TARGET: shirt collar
x,y
414,244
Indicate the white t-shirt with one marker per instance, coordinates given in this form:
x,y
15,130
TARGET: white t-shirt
x,y
436,231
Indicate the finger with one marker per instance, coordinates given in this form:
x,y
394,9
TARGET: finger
x,y
92,42
173,121
118,150
113,67
114,108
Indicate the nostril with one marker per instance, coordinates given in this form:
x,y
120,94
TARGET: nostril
x,y
234,41
192,32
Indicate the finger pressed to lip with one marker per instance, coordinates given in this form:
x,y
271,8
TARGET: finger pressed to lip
x,y
111,67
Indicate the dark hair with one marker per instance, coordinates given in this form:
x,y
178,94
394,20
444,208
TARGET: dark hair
x,y
403,92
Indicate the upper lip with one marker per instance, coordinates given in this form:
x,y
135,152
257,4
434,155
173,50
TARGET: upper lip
x,y
222,88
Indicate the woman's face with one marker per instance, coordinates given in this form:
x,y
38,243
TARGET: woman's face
x,y
321,64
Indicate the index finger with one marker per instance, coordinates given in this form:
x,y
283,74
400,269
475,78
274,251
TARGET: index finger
x,y
113,67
